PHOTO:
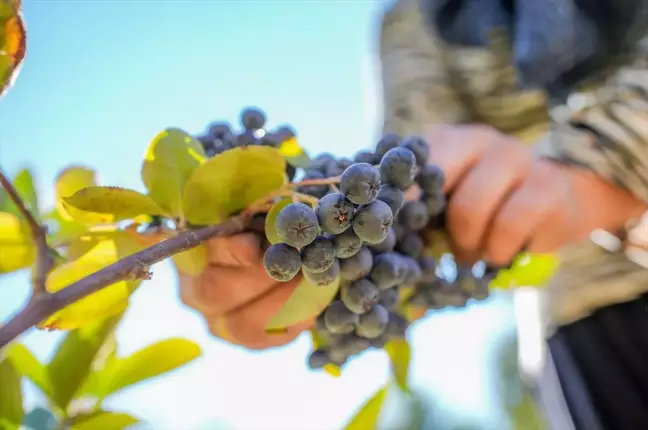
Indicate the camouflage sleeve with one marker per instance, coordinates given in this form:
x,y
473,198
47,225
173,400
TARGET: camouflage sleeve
x,y
416,87
609,134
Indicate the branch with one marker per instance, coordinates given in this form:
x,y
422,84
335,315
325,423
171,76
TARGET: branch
x,y
45,260
43,306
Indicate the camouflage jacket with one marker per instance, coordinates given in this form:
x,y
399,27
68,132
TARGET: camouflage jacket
x,y
603,127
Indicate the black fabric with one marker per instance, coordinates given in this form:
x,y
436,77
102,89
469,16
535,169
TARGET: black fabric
x,y
556,43
607,355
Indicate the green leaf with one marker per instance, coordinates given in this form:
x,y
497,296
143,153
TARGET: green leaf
x,y
114,203
306,302
191,262
367,418
170,160
399,354
147,363
527,270
104,420
29,366
271,218
231,181
24,185
11,408
40,419
74,358
62,230
16,245
294,154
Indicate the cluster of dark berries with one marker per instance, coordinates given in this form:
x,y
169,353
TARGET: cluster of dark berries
x,y
221,136
367,234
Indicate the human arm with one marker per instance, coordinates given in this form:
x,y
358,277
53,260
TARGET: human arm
x,y
416,85
608,137
548,202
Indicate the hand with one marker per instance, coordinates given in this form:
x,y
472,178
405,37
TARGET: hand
x,y
236,296
503,199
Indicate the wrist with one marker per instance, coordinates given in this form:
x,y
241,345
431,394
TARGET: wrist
x,y
594,193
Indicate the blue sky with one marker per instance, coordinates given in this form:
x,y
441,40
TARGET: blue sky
x,y
102,77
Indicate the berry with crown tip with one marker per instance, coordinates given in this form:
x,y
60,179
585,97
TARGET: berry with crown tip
x,y
335,213
318,255
372,221
324,278
359,296
347,244
297,225
398,167
360,183
282,262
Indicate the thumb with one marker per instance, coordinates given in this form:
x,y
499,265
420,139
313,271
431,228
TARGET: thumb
x,y
241,250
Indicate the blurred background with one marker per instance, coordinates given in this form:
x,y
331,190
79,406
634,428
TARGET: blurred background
x,y
103,77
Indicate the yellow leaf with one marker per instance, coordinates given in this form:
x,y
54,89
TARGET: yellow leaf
x,y
230,181
318,343
306,302
104,249
191,262
114,203
147,363
399,355
294,153
367,418
271,218
13,43
17,250
68,182
527,270
104,420
169,162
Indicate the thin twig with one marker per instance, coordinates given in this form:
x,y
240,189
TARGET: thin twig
x,y
45,259
325,181
42,307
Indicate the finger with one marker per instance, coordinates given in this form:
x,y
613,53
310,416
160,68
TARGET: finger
x,y
477,197
240,250
516,223
220,328
219,290
247,323
455,150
